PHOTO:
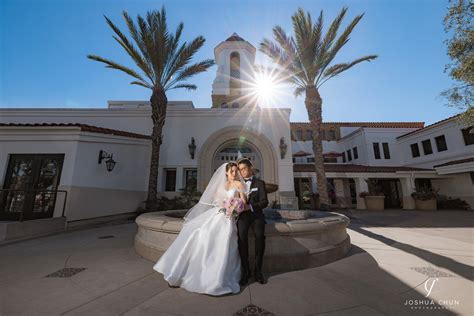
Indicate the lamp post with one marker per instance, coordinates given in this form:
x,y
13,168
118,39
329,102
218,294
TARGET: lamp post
x,y
192,147
110,162
283,147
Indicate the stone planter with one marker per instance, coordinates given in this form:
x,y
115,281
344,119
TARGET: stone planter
x,y
375,203
427,205
294,240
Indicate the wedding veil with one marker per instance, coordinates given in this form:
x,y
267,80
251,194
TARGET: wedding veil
x,y
214,194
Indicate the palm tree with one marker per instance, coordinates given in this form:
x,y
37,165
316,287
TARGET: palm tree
x,y
305,61
162,64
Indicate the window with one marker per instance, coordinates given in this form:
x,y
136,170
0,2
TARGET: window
x,y
235,65
323,134
441,143
349,155
421,184
224,105
386,151
427,149
190,179
170,180
356,154
332,134
468,135
330,159
309,134
415,150
310,160
299,134
376,150
343,156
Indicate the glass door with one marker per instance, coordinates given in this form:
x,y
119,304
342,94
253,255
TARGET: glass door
x,y
30,186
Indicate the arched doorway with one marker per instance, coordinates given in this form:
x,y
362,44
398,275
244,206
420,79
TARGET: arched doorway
x,y
233,150
226,142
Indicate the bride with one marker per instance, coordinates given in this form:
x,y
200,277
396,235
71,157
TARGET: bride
x,y
204,258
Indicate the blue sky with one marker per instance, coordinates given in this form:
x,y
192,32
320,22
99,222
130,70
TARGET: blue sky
x,y
44,43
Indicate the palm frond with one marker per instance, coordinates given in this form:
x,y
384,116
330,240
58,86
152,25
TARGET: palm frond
x,y
146,60
130,49
185,54
190,71
114,65
184,86
341,41
339,68
298,91
305,58
303,31
143,84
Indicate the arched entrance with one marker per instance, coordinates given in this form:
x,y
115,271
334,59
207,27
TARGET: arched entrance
x,y
227,142
234,150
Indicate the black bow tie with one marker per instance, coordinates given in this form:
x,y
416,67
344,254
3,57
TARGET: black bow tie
x,y
247,180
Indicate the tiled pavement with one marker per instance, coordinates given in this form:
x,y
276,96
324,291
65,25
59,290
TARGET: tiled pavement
x,y
396,258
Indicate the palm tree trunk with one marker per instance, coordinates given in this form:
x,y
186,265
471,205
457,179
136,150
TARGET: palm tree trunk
x,y
159,103
314,104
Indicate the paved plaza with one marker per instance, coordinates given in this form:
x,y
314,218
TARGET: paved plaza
x,y
401,263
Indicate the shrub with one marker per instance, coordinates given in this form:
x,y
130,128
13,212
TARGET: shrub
x,y
450,203
425,194
187,199
374,188
363,194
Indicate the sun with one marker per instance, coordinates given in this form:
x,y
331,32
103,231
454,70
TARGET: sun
x,y
266,88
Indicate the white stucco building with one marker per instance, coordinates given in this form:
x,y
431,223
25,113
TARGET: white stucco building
x,y
59,149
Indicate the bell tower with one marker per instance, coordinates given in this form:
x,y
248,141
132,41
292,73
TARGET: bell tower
x,y
235,58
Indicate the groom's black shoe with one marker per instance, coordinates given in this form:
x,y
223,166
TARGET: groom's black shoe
x,y
260,278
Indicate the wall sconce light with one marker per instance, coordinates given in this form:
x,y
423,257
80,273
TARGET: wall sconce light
x,y
192,147
110,162
283,147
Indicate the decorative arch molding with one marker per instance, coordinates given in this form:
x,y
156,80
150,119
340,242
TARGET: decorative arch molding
x,y
236,133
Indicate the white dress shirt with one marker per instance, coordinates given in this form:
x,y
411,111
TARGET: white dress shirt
x,y
247,189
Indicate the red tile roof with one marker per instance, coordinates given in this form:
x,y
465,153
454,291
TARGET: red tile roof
x,y
354,168
363,124
332,154
235,38
83,127
455,162
429,126
301,154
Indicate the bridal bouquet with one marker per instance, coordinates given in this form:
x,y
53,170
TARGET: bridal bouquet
x,y
232,207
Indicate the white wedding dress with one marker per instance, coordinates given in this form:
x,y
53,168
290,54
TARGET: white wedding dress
x,y
204,258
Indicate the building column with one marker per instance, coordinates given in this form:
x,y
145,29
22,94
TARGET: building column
x,y
340,190
314,184
408,187
361,186
347,193
179,179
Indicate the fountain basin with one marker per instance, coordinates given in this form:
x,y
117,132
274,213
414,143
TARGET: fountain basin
x,y
294,240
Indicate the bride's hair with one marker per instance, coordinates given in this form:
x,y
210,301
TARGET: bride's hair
x,y
229,165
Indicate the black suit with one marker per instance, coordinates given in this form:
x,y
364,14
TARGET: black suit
x,y
258,200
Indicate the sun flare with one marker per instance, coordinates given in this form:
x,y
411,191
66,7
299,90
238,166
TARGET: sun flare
x,y
266,88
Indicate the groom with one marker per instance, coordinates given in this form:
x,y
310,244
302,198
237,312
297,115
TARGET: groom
x,y
257,201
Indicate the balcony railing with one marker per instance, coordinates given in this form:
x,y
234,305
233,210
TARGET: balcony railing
x,y
28,204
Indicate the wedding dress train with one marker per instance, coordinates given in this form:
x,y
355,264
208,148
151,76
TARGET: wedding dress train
x,y
204,258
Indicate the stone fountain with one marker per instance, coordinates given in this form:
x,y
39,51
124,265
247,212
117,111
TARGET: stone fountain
x,y
295,240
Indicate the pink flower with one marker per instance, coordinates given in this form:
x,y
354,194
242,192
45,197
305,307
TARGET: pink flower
x,y
232,207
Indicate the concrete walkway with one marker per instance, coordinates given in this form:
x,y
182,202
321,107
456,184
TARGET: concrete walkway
x,y
395,256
